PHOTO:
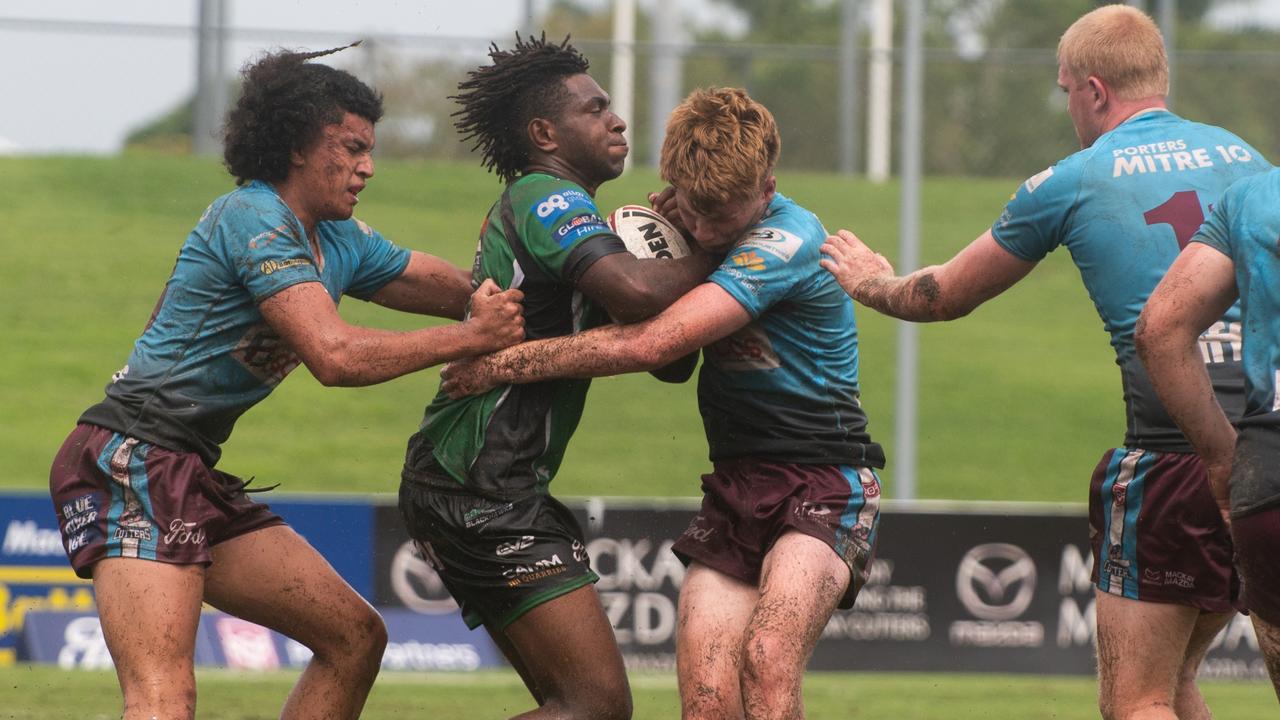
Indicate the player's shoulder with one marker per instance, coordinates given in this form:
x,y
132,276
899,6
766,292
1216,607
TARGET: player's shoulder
x,y
1263,187
247,212
250,218
786,231
353,229
547,196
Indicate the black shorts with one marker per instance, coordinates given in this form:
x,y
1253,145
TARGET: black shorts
x,y
499,559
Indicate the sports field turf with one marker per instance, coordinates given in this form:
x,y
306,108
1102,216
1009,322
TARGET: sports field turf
x,y
28,693
1017,402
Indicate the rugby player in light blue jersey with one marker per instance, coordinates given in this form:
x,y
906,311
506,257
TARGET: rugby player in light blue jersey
x,y
1234,256
1123,207
778,393
254,293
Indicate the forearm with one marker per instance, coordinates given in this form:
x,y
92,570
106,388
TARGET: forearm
x,y
918,297
656,284
366,356
610,350
428,286
1182,382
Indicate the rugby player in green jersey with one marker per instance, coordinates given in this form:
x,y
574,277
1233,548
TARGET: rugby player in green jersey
x,y
474,491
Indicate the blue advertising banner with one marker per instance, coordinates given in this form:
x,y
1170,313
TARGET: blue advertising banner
x,y
73,640
340,527
34,574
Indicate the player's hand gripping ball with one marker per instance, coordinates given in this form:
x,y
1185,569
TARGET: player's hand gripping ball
x,y
647,234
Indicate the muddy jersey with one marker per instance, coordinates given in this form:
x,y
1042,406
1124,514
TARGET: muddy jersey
x,y
785,386
207,355
1245,226
540,237
1124,208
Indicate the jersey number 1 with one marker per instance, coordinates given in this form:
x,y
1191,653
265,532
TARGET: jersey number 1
x,y
1182,212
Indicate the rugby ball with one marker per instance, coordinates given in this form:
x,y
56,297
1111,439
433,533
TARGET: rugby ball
x,y
646,233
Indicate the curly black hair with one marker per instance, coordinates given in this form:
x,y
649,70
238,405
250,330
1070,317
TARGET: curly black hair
x,y
499,100
286,103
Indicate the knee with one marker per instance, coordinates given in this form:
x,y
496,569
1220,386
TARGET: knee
x,y
705,701
359,638
767,660
608,703
370,637
611,701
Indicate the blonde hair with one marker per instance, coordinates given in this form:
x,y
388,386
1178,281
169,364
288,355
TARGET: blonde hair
x,y
720,146
1122,46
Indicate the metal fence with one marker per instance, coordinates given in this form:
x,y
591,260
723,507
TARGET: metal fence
x,y
998,113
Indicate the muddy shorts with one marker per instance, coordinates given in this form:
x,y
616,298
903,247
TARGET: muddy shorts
x,y
499,559
118,496
1156,532
748,504
1255,519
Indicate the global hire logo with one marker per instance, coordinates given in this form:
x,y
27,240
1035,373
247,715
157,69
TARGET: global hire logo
x,y
996,583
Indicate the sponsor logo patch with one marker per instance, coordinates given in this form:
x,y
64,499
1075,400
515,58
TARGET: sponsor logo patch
x,y
555,206
515,546
579,227
779,243
1038,179
264,354
749,261
269,267
264,239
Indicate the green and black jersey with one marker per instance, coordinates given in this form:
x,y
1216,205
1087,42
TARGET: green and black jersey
x,y
540,237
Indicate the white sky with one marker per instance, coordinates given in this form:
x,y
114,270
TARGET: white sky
x,y
82,91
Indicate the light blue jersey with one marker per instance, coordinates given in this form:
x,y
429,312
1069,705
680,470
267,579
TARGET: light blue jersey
x,y
785,387
207,355
1245,225
1124,208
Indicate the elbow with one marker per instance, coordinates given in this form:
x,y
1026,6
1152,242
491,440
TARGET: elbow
x,y
1146,338
331,364
1158,334
656,351
951,311
328,374
639,302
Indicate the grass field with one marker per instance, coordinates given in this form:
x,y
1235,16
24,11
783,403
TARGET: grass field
x,y
30,693
1016,402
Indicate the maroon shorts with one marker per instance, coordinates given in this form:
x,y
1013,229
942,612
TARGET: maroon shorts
x,y
1156,532
748,504
1257,538
117,496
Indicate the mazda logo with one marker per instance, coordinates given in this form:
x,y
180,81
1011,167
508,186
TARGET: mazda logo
x,y
996,581
417,585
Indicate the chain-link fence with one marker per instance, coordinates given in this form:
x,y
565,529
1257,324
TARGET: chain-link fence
x,y
997,113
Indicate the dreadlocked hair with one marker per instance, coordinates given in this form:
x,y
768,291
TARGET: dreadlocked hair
x,y
285,104
498,101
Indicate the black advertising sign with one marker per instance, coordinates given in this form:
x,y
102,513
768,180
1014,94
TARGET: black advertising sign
x,y
1003,588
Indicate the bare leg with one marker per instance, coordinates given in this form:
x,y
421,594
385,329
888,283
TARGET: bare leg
x,y
570,660
1188,703
149,612
801,582
274,578
513,656
1143,648
1269,643
714,612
